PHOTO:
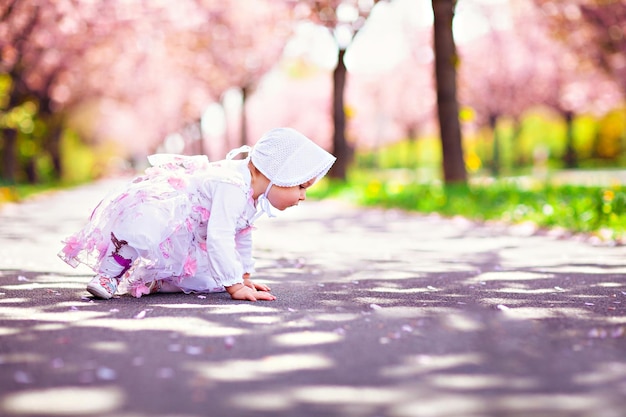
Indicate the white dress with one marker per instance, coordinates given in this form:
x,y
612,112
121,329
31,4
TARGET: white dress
x,y
189,220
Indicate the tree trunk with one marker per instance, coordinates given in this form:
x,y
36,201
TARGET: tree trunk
x,y
30,169
411,155
447,105
495,157
244,116
520,158
9,161
54,150
570,158
53,144
340,146
9,156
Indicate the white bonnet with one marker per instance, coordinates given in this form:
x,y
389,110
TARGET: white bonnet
x,y
288,158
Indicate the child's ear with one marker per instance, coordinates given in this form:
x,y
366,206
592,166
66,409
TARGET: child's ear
x,y
252,167
255,171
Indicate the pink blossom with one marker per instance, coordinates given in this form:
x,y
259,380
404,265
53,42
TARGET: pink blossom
x,y
202,246
190,266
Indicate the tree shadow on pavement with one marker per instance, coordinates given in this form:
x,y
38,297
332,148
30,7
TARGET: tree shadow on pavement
x,y
378,314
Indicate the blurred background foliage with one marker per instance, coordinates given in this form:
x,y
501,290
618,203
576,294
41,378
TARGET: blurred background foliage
x,y
89,89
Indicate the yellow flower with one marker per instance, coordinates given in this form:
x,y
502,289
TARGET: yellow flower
x,y
373,189
473,162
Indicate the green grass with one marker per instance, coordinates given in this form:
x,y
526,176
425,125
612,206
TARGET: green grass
x,y
579,209
20,192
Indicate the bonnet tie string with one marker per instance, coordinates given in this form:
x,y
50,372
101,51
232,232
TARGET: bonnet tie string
x,y
264,205
242,149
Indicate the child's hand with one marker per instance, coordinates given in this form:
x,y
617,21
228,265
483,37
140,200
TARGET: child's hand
x,y
248,283
245,292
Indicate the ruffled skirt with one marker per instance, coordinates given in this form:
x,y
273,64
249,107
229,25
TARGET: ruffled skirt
x,y
163,222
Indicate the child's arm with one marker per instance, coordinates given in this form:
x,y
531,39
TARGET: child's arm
x,y
221,244
230,252
243,246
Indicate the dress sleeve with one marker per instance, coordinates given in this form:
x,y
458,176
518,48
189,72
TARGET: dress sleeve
x,y
225,264
243,242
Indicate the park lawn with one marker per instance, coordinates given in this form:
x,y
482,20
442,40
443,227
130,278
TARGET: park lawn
x,y
599,211
17,193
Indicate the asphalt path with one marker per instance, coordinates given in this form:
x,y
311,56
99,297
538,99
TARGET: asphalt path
x,y
378,313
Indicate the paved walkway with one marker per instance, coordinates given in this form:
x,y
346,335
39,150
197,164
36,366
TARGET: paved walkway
x,y
379,313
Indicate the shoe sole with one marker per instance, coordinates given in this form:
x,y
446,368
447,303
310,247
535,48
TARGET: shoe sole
x,y
99,292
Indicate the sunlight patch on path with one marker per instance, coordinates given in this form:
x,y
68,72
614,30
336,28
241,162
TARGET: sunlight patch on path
x,y
507,276
534,313
413,312
480,382
254,370
306,338
37,314
421,364
188,326
68,401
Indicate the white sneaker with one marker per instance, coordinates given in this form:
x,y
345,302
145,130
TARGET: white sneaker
x,y
102,287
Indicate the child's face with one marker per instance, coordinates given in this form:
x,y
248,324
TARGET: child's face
x,y
284,197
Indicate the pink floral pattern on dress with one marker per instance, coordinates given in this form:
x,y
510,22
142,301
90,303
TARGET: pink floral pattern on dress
x,y
138,288
154,172
72,246
177,183
191,265
246,230
204,212
92,241
166,247
103,244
